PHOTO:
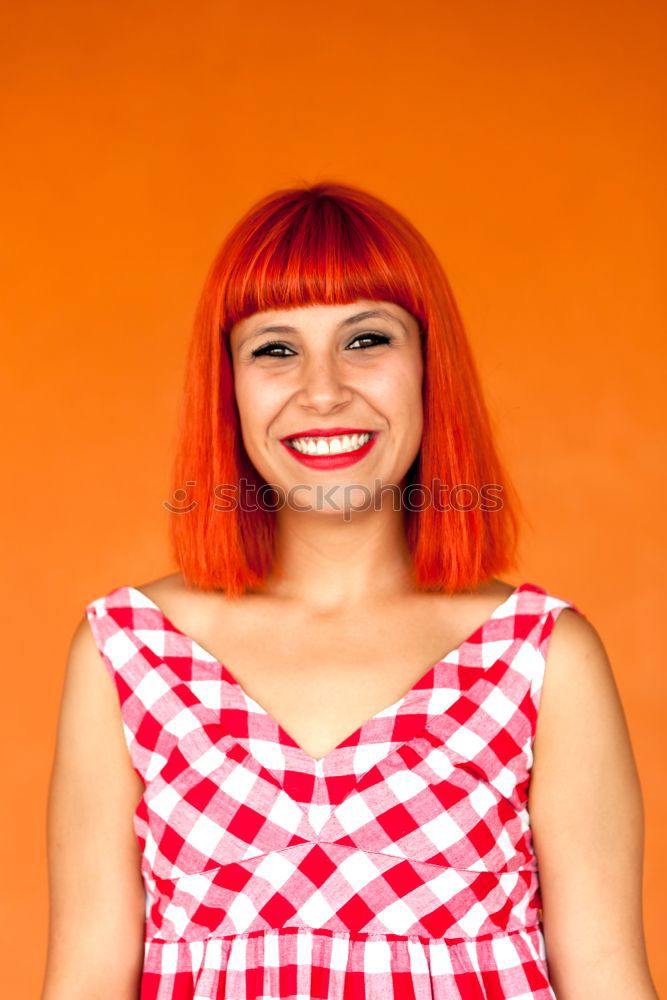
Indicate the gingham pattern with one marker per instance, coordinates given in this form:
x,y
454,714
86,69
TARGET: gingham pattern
x,y
399,865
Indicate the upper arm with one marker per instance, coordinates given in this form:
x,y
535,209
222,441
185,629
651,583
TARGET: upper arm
x,y
587,822
96,893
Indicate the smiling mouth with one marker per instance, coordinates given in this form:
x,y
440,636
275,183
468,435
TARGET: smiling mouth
x,y
339,444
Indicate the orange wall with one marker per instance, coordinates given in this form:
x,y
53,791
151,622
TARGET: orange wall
x,y
523,139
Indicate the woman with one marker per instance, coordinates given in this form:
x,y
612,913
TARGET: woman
x,y
311,775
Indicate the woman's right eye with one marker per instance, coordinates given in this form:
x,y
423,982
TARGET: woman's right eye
x,y
268,349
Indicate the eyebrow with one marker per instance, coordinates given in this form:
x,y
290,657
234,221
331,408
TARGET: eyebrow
x,y
350,321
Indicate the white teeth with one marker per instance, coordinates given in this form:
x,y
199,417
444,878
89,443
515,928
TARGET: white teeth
x,y
329,445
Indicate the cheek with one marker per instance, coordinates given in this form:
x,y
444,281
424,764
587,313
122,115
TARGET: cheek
x,y
257,402
398,394
411,415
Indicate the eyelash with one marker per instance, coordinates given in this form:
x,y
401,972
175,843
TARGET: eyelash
x,y
265,348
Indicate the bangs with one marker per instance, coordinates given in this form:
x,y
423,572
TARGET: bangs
x,y
317,251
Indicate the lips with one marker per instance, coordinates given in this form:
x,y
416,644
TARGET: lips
x,y
331,461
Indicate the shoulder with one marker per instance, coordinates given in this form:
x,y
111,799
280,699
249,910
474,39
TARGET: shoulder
x,y
492,591
476,605
191,608
580,719
90,714
170,586
573,632
578,676
104,630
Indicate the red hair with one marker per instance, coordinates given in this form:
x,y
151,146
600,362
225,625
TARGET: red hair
x,y
332,244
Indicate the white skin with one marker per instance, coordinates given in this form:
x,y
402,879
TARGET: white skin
x,y
329,373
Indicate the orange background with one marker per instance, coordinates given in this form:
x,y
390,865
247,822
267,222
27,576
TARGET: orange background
x,y
525,141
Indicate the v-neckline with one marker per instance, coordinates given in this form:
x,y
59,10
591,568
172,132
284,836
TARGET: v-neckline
x,y
355,737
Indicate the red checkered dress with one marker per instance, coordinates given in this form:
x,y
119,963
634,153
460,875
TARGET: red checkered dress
x,y
399,865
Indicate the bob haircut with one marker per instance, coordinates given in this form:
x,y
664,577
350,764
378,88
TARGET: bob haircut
x,y
329,244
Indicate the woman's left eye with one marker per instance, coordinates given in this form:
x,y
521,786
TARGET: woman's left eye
x,y
377,338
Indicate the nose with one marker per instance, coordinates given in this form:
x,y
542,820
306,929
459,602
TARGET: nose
x,y
322,385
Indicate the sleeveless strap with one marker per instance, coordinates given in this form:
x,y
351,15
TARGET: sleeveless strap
x,y
542,609
147,701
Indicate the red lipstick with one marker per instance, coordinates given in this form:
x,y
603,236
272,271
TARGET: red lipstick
x,y
330,461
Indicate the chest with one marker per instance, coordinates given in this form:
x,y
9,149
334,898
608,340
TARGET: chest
x,y
322,679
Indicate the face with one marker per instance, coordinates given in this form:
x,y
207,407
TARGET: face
x,y
330,397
